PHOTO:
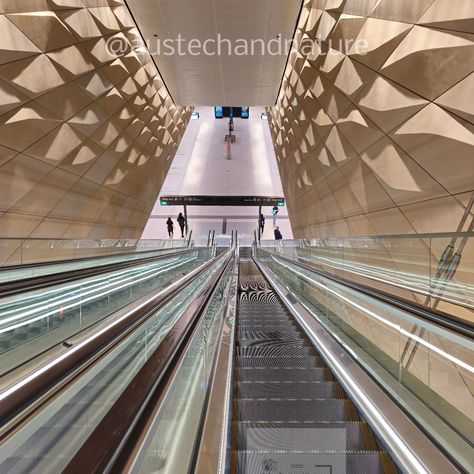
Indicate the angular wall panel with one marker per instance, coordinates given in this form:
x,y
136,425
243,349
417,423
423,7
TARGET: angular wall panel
x,y
86,135
376,136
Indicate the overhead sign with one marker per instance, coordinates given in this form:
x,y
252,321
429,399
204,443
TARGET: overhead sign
x,y
222,201
235,112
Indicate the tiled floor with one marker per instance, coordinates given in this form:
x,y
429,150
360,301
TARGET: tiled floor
x,y
201,166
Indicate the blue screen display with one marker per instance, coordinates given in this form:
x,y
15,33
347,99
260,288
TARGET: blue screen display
x,y
245,112
218,111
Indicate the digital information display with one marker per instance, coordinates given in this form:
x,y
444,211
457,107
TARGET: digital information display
x,y
236,112
222,201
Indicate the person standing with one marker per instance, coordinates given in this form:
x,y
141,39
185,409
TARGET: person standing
x,y
278,238
182,223
274,215
261,223
169,225
277,233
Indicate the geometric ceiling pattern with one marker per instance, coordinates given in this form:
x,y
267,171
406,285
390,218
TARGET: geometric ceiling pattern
x,y
86,136
378,140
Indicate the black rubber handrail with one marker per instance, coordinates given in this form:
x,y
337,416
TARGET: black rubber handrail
x,y
105,442
78,353
445,320
41,281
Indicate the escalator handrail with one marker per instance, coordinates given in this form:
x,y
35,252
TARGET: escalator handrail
x,y
219,400
83,259
11,288
434,316
25,391
104,445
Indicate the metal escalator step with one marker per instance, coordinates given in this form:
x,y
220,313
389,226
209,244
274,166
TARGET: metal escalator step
x,y
295,410
257,462
256,307
265,342
348,436
264,306
248,306
275,351
265,326
270,314
270,334
310,390
266,320
270,326
257,321
293,374
279,362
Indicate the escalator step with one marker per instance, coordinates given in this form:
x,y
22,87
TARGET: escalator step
x,y
289,390
265,316
270,334
257,462
265,322
296,374
279,326
278,362
348,436
275,351
265,342
272,309
295,410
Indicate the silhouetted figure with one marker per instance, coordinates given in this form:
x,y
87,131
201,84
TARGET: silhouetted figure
x,y
182,223
169,225
261,223
277,233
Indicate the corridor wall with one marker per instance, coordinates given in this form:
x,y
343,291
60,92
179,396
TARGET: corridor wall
x,y
373,127
88,129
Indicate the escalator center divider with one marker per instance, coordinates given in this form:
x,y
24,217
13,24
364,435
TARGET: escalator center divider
x,y
290,413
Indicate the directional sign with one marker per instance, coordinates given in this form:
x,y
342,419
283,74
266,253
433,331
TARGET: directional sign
x,y
222,201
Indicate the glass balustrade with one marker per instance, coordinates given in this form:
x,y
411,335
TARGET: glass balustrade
x,y
433,270
172,438
33,322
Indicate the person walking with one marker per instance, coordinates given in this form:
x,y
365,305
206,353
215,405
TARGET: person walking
x,y
169,225
274,215
261,223
182,223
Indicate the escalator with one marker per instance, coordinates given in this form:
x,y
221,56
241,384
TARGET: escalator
x,y
290,414
213,374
